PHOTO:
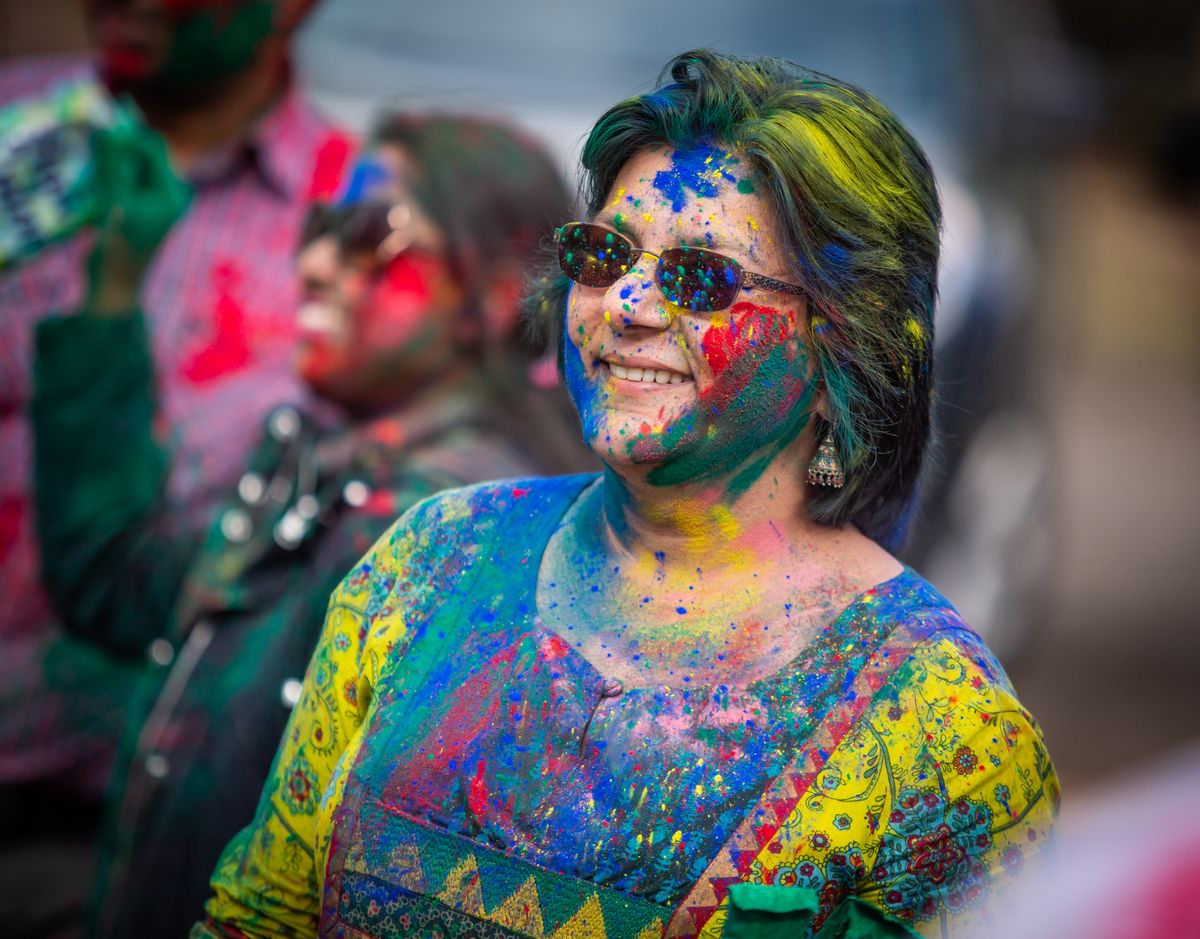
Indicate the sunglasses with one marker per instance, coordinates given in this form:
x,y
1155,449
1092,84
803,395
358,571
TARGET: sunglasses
x,y
380,229
696,279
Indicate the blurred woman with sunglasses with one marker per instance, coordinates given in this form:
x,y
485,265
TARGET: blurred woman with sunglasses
x,y
409,332
695,694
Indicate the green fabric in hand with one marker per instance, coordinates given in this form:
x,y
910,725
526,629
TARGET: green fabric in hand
x,y
138,199
764,911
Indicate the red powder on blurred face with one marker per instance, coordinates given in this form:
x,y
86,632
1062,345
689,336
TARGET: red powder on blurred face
x,y
395,303
389,312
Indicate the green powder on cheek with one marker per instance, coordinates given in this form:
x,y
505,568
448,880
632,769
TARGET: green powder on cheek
x,y
211,45
742,438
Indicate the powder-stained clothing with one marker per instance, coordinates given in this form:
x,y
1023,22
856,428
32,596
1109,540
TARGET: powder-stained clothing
x,y
455,767
231,616
220,300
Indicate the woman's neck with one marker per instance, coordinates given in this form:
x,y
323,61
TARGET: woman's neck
x,y
705,524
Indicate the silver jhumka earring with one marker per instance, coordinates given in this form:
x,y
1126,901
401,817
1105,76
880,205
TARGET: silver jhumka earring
x,y
825,468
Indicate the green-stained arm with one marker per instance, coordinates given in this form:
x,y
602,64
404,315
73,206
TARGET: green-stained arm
x,y
113,556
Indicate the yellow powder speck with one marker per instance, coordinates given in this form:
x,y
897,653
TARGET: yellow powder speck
x,y
677,837
647,217
718,779
618,197
607,317
699,790
752,222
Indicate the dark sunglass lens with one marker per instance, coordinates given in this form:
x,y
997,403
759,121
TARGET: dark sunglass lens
x,y
318,222
364,227
699,280
593,256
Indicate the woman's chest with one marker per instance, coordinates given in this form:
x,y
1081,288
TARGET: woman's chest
x,y
522,748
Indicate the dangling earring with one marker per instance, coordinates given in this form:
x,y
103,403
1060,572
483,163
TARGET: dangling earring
x,y
825,468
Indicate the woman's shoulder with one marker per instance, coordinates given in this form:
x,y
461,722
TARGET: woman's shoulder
x,y
467,517
935,639
485,505
428,550
939,786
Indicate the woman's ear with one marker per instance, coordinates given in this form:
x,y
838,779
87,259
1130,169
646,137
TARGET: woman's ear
x,y
820,402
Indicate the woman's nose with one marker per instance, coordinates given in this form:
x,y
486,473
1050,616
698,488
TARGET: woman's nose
x,y
636,299
318,266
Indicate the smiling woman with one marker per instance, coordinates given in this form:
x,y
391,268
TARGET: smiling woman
x,y
693,695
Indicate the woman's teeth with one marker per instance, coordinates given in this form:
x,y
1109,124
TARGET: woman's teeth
x,y
649,376
318,317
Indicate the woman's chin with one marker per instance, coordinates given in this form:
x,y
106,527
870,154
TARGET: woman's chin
x,y
633,439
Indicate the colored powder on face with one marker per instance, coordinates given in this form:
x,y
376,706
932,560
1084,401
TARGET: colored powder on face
x,y
584,394
210,43
367,177
400,298
700,170
756,405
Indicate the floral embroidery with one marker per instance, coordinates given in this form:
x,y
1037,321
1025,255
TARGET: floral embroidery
x,y
299,787
1012,859
930,855
965,760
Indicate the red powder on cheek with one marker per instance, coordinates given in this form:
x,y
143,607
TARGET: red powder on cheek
x,y
750,328
400,298
317,359
409,274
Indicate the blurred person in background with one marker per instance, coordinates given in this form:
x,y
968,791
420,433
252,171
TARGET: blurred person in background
x,y
213,77
694,694
409,327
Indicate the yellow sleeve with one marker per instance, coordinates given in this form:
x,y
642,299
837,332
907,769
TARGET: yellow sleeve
x,y
940,791
267,882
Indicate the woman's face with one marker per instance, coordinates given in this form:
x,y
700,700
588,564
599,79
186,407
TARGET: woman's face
x,y
736,388
373,328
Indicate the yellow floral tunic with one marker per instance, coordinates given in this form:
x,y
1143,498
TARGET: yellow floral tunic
x,y
454,768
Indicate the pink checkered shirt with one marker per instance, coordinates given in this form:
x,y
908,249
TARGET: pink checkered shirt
x,y
220,301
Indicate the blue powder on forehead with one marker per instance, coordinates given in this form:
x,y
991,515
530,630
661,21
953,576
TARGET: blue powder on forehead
x,y
697,169
366,178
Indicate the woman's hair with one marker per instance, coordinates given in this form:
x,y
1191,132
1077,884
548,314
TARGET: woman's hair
x,y
493,192
858,210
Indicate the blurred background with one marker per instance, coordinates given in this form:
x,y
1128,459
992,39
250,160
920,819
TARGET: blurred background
x,y
1060,512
